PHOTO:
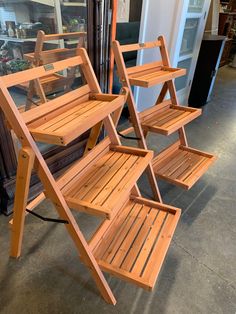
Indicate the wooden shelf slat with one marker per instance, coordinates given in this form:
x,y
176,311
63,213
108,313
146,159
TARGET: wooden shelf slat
x,y
182,165
166,118
155,75
134,245
63,119
103,183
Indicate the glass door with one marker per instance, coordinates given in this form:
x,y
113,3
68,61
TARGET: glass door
x,y
190,45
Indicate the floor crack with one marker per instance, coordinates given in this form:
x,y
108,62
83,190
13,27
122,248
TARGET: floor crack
x,y
229,283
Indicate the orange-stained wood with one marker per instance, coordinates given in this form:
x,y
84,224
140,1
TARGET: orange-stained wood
x,y
166,116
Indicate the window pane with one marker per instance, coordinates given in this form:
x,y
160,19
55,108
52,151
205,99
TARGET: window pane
x,y
190,32
181,82
195,6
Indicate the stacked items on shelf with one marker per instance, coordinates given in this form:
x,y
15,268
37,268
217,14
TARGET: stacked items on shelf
x,y
179,164
132,241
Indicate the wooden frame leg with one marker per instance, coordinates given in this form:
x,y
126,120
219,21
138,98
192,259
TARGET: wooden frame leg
x,y
142,144
32,204
171,87
174,99
162,94
30,95
111,129
145,133
93,137
95,131
25,166
53,192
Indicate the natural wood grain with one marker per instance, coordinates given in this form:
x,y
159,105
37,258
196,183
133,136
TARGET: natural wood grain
x,y
147,45
105,184
25,166
134,245
182,165
155,76
62,123
35,73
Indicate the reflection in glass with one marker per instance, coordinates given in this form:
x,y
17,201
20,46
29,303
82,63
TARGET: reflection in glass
x,y
195,6
190,32
181,82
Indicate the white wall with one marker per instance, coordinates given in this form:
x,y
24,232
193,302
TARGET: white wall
x,y
158,18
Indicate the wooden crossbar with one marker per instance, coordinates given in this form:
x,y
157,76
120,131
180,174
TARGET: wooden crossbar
x,y
74,35
36,73
61,54
140,46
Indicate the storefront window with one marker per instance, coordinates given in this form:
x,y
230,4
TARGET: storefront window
x,y
20,22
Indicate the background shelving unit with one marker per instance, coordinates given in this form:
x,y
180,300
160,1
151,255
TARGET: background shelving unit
x,y
67,19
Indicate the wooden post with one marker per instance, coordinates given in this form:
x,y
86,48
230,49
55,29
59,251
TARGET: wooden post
x,y
24,169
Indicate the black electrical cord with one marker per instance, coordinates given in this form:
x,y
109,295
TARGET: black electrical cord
x,y
47,219
129,137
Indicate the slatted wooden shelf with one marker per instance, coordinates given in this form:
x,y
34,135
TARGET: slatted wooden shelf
x,y
152,76
134,245
166,118
105,178
63,119
182,165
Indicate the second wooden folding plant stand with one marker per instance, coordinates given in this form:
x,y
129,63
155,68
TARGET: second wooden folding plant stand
x,y
179,164
132,241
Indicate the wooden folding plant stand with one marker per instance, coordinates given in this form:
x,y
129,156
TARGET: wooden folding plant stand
x,y
178,164
133,238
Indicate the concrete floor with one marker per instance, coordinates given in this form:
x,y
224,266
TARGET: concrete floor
x,y
199,273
